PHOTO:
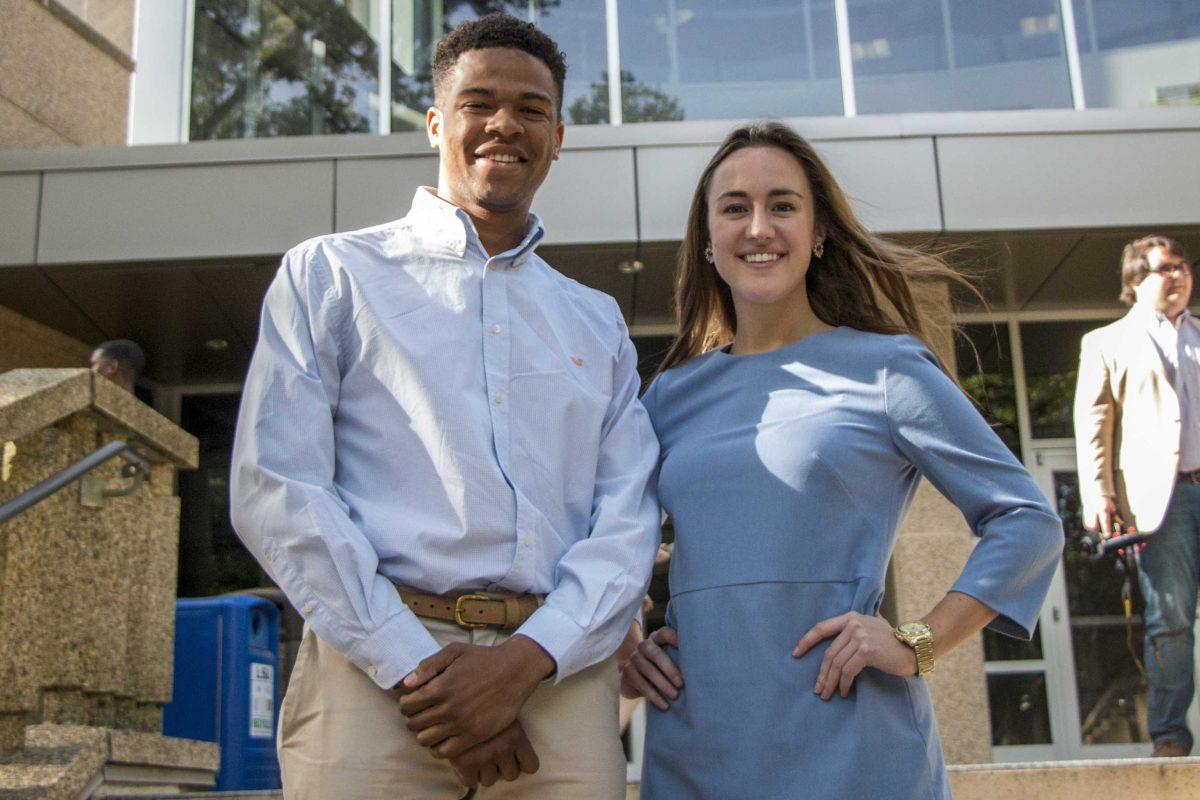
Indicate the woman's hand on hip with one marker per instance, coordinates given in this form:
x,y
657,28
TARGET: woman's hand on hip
x,y
861,641
650,672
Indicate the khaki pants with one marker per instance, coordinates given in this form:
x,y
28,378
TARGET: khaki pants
x,y
341,737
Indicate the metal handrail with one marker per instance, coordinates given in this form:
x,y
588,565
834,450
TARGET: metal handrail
x,y
137,468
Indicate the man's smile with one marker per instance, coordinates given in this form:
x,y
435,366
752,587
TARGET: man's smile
x,y
501,155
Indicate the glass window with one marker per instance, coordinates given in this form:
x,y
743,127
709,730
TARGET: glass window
x,y
711,59
296,67
1051,354
212,559
1134,55
998,647
1107,646
416,27
957,55
1020,712
982,353
284,68
578,26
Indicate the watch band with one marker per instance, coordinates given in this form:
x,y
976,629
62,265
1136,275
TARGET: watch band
x,y
919,637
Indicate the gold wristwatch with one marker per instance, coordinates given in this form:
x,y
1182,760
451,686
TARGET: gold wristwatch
x,y
918,636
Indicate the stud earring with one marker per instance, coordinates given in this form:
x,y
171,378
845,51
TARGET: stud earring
x,y
708,253
819,250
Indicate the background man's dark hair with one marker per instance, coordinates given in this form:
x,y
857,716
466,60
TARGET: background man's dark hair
x,y
1135,266
497,30
119,360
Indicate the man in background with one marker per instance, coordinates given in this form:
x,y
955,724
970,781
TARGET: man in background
x,y
119,360
1137,431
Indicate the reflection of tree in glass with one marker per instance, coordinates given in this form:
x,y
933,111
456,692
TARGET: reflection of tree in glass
x,y
639,103
414,92
996,398
297,67
1051,398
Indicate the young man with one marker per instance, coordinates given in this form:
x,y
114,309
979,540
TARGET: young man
x,y
442,460
1137,431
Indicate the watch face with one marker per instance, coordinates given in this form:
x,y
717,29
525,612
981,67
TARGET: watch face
x,y
913,628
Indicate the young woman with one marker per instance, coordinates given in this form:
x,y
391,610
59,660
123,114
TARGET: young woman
x,y
797,411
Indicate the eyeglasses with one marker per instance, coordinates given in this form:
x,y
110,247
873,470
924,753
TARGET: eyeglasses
x,y
1178,268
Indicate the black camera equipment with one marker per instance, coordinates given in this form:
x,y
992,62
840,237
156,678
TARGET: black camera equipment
x,y
1123,546
1098,547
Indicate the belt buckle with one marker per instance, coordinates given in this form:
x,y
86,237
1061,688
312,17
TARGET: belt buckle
x,y
458,611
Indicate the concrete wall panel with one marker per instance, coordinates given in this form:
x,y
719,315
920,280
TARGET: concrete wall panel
x,y
25,343
589,197
19,129
666,178
376,190
891,182
61,80
1070,181
184,212
18,218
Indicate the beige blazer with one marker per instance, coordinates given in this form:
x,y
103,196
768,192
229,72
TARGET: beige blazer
x,y
1126,423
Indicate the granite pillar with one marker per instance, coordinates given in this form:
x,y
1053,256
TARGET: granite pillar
x,y
86,590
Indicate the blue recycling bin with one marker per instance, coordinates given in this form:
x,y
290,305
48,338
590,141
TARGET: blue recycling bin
x,y
226,685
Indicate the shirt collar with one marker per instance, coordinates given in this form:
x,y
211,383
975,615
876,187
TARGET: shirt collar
x,y
450,225
1152,318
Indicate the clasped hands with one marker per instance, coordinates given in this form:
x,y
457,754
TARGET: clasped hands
x,y
859,641
463,701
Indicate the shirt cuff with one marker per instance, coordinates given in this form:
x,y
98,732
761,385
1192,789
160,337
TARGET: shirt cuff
x,y
558,635
393,651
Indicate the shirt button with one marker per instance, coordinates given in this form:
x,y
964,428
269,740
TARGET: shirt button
x,y
371,670
307,608
525,542
495,329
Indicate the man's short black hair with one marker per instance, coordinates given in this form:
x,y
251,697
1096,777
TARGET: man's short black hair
x,y
126,353
497,30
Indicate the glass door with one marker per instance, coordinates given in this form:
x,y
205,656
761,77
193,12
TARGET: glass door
x,y
1095,688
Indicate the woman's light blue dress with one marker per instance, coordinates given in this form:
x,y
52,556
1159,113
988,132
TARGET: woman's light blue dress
x,y
787,474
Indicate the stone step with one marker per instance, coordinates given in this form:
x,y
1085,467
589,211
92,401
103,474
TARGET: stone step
x,y
1109,779
63,764
262,795
1101,779
70,762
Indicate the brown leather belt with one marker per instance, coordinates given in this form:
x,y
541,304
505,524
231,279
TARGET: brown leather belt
x,y
1189,477
473,610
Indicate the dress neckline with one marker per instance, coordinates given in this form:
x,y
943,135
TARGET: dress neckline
x,y
723,352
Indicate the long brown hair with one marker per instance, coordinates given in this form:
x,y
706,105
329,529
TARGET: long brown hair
x,y
862,281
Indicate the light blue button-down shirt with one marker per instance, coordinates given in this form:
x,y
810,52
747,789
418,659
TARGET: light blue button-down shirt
x,y
1179,345
418,412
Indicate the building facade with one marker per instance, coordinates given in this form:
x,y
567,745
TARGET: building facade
x,y
1032,138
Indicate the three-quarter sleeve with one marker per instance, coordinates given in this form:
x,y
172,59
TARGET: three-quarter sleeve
x,y
939,431
601,579
284,504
